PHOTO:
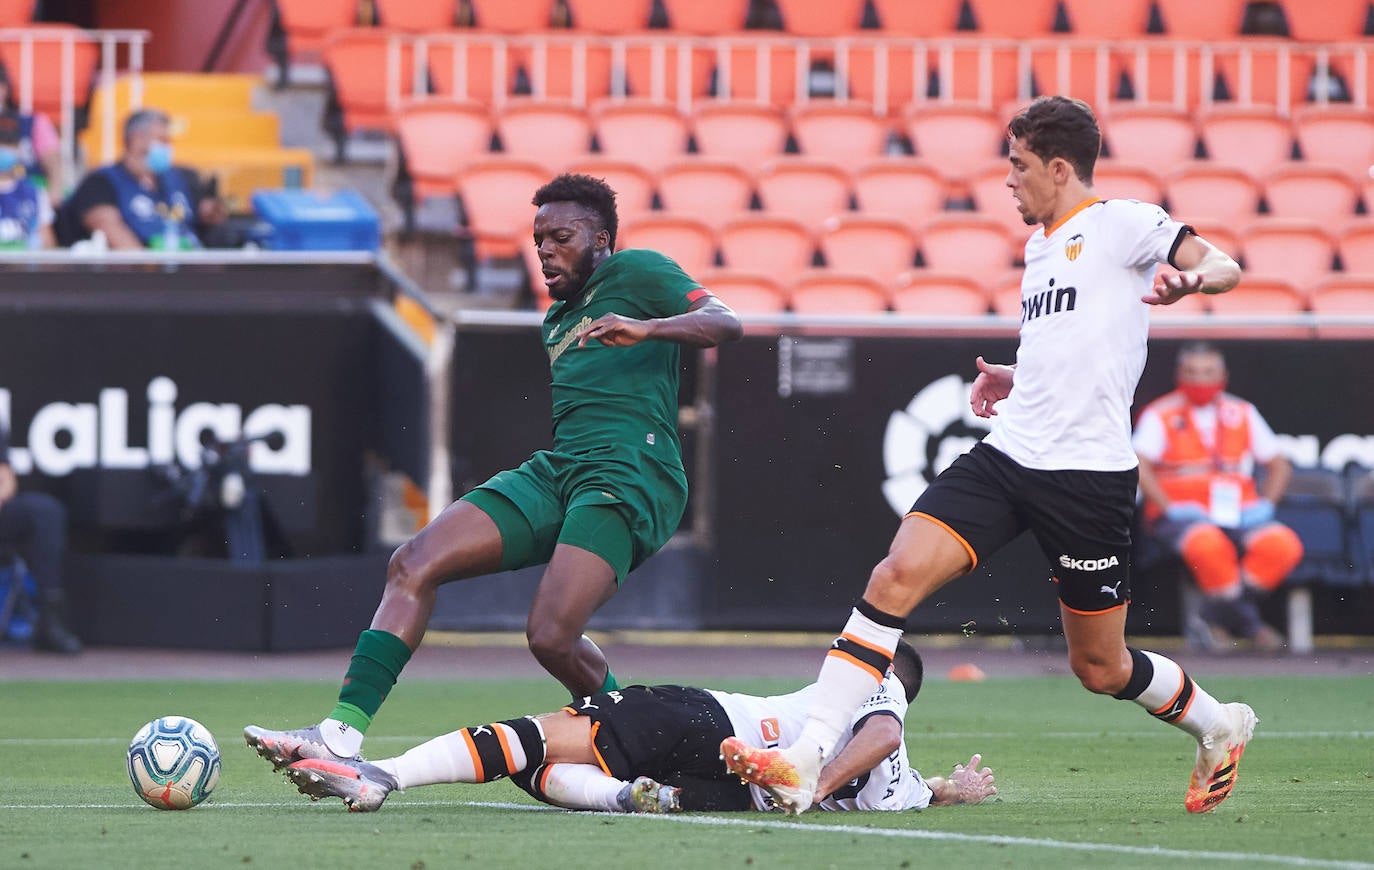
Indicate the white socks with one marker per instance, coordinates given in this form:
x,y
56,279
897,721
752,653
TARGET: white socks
x,y
1173,697
582,787
341,738
454,757
853,669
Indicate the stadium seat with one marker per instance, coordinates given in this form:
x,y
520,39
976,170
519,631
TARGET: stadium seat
x,y
47,45
1258,295
904,188
711,191
1016,19
980,72
1202,192
1253,140
308,24
1342,137
1150,136
371,75
746,292
1337,299
772,244
1314,506
579,71
417,16
1092,73
512,16
925,19
968,244
632,183
955,139
1120,19
1166,74
939,294
1335,21
761,71
706,17
16,13
750,134
881,73
878,246
496,191
620,17
1006,295
1302,251
436,140
239,172
1211,21
690,242
640,131
812,191
466,68
1356,247
1263,73
1115,180
653,70
841,132
824,291
829,19
553,134
1317,193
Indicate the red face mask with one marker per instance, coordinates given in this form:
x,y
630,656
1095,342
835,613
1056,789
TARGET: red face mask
x,y
1201,393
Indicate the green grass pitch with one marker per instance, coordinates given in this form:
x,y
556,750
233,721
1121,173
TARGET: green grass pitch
x,y
1084,781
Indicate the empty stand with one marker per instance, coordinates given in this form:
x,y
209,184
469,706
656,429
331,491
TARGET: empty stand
x,y
308,24
747,292
1317,193
371,73
181,96
465,67
879,246
417,16
632,183
825,291
1089,72
925,19
957,140
578,71
771,244
48,47
1150,136
1314,506
437,140
840,132
901,187
648,133
1006,295
1263,73
16,13
831,18
1356,247
744,132
653,70
764,71
1208,21
967,244
707,17
690,242
708,190
811,191
1334,21
1119,19
619,17
496,191
939,294
512,16
1302,251
1342,137
1339,297
1251,139
1202,192
553,134
1018,19
1258,295
882,73
983,72
1114,180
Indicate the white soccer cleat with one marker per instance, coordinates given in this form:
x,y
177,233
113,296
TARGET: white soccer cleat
x,y
1218,759
789,775
283,748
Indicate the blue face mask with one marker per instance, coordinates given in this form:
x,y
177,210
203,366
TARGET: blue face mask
x,y
9,158
159,157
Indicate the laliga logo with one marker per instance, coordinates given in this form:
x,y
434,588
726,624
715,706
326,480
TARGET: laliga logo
x,y
936,427
97,435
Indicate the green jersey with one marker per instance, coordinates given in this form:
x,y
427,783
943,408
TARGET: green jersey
x,y
619,396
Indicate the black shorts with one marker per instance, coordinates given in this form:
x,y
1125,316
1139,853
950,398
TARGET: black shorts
x,y
1081,519
669,733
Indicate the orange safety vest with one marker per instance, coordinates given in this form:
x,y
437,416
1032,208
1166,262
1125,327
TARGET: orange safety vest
x,y
1188,466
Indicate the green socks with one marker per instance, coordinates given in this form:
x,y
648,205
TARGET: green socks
x,y
377,662
610,685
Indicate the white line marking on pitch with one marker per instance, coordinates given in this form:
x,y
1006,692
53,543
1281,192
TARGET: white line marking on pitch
x,y
716,821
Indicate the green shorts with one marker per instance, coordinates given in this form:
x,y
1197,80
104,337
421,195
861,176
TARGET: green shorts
x,y
576,500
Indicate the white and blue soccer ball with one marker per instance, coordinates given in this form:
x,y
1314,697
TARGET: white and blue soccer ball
x,y
173,763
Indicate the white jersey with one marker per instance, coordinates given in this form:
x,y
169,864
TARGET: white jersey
x,y
1083,333
777,721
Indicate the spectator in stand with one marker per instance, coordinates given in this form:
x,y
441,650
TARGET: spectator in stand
x,y
143,200
40,149
26,215
1198,447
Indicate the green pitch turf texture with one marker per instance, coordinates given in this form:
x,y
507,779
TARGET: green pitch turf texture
x,y
1084,782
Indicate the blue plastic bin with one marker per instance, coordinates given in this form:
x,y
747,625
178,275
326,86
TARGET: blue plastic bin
x,y
304,220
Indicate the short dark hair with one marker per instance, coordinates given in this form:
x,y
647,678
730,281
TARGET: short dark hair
x,y
1198,348
142,119
907,665
591,193
1060,127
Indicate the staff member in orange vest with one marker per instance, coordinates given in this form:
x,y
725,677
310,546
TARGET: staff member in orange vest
x,y
1198,447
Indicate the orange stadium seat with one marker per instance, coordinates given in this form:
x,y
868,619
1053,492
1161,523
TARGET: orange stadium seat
x,y
978,72
308,24
812,191
839,131
904,188
773,244
1356,247
512,16
748,133
968,244
1263,73
1006,295
762,71
746,292
553,134
1258,294
16,13
939,294
632,183
1018,19
882,74
370,77
640,131
1334,21
469,69
879,246
707,17
1210,21
417,16
579,72
1120,19
1150,135
831,18
955,139
47,53
1254,140
1115,180
496,192
1201,192
1165,73
1089,73
927,18
822,291
690,242
1344,294
1318,193
1336,136
1301,251
711,191
652,70
436,140
619,17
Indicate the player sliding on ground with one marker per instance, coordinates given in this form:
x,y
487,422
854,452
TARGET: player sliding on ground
x,y
1058,462
654,749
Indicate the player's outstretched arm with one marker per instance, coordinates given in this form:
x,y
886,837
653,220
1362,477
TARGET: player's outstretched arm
x,y
1203,268
876,739
966,785
992,385
707,323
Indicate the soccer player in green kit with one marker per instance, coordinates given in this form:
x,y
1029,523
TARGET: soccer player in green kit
x,y
605,498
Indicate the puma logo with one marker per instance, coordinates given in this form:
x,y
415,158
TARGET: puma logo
x,y
1112,589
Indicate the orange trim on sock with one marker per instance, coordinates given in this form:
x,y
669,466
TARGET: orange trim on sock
x,y
476,759
865,644
968,548
544,780
505,746
1093,612
859,663
606,768
1181,686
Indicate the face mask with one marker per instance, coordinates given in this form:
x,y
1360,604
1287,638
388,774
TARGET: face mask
x,y
1199,394
9,158
159,157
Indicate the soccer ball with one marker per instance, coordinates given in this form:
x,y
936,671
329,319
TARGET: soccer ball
x,y
173,763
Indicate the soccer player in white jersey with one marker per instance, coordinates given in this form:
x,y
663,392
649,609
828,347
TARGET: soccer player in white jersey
x,y
655,749
1058,462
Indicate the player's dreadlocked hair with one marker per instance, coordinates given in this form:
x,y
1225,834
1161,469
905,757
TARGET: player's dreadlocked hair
x,y
591,193
906,664
1060,127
